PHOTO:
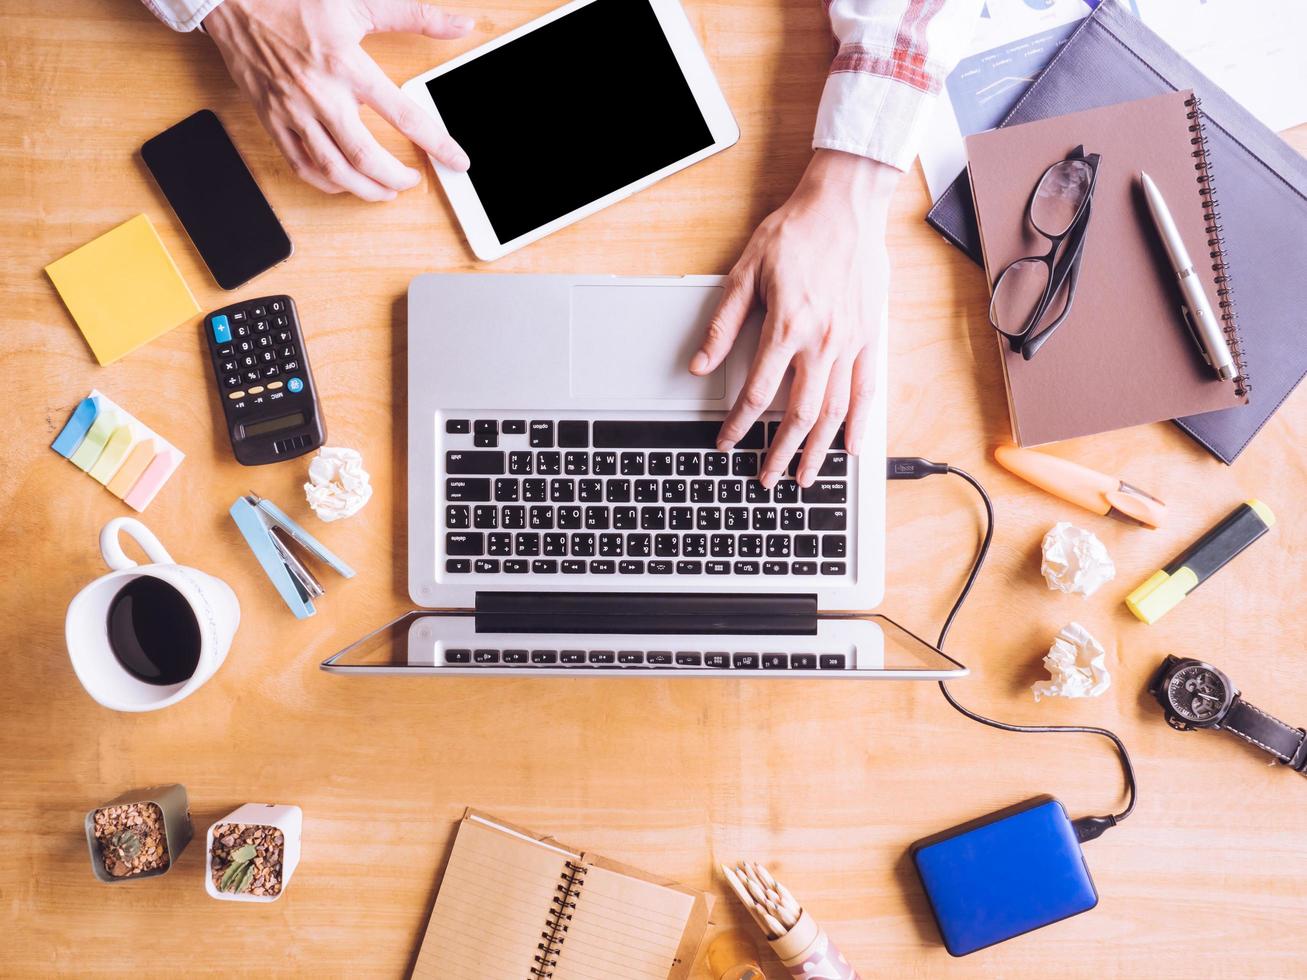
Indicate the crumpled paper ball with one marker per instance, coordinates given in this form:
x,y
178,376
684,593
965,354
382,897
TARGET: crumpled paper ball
x,y
1077,666
1075,561
338,484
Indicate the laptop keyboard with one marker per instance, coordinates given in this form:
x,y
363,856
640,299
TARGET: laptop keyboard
x,y
673,659
558,496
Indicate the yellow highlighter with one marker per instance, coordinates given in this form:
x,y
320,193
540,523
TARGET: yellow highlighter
x,y
1200,561
1094,491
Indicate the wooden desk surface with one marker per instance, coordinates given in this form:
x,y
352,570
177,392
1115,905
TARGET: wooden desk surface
x,y
829,782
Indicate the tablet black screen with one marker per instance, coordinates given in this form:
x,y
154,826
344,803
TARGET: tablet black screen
x,y
570,112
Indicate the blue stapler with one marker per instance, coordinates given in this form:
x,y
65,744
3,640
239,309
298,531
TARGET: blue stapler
x,y
265,526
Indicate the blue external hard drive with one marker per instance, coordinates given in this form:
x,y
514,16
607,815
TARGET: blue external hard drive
x,y
1003,875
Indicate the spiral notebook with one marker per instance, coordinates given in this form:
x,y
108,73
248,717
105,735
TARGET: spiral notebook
x,y
1261,181
515,906
1125,355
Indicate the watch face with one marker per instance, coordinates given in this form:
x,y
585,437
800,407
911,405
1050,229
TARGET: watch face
x,y
1198,694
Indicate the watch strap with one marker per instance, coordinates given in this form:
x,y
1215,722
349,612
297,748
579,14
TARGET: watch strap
x,y
1252,724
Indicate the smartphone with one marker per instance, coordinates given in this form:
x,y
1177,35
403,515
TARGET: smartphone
x,y
217,200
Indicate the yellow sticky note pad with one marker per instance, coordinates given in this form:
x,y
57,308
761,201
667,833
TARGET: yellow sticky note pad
x,y
123,289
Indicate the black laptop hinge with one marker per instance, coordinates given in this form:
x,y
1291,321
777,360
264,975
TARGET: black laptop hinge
x,y
629,612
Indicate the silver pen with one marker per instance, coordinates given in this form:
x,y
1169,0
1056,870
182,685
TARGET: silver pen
x,y
1198,311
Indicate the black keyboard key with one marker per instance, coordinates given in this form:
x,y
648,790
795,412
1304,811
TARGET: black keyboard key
x,y
804,568
746,568
513,518
629,567
472,490
718,567
485,657
646,491
602,657
562,491
602,567
792,519
803,661
465,543
750,545
542,657
516,656
555,544
573,567
542,435
542,518
506,490
576,464
544,566
549,463
458,566
485,517
526,544
487,566
513,427
805,545
569,518
458,656
674,491
744,464
708,519
828,519
833,546
778,546
617,491
639,545
835,464
687,659
832,568
572,656
520,463
658,567
624,518
499,543
756,493
610,545
457,516
660,464
833,661
694,545
687,464
764,519
604,464
653,518
680,518
596,518
589,491
630,657
485,432
667,434
730,492
775,661
737,519
515,566
775,568
534,490
660,658
583,544
744,661
716,660
701,491
785,492
632,464
684,567
475,462
826,492
716,464
667,545
574,434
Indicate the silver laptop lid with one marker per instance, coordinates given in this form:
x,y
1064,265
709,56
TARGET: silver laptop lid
x,y
575,347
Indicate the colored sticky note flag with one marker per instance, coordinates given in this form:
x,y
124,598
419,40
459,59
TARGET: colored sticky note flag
x,y
123,289
115,451
75,429
121,483
96,437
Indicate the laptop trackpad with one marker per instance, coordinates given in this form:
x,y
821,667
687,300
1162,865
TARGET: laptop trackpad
x,y
636,341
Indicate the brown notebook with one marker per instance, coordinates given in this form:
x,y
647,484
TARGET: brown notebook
x,y
517,906
1124,356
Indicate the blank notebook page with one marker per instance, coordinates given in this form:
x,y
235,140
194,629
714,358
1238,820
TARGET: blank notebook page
x,y
623,927
493,904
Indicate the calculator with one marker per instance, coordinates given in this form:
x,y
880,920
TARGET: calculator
x,y
264,381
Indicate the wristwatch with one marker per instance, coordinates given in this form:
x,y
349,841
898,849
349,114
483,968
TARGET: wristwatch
x,y
1197,695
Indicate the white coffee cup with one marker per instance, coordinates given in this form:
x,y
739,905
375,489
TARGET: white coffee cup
x,y
86,628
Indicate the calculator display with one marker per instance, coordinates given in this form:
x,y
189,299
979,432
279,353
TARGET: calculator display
x,y
273,425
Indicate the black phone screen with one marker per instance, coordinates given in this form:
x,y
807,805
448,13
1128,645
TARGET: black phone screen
x,y
215,196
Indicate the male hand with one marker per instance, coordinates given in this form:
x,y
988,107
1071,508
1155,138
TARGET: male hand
x,y
300,62
819,267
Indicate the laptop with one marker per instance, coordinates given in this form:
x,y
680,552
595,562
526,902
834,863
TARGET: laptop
x,y
569,512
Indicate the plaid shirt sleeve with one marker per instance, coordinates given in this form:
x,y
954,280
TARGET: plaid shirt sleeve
x,y
892,59
181,15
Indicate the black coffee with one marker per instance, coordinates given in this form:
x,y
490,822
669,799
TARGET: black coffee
x,y
153,632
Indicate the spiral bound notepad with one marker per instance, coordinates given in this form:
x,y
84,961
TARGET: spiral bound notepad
x,y
514,906
1125,354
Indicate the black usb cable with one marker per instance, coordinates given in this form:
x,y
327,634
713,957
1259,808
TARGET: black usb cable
x,y
916,468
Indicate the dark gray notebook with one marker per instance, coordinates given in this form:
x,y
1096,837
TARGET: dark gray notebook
x,y
1260,185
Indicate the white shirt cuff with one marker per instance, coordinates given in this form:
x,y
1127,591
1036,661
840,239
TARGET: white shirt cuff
x,y
872,116
182,15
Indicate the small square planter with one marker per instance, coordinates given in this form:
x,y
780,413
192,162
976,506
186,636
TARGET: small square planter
x,y
252,852
141,834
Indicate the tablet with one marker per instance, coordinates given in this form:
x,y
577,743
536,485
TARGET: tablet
x,y
571,112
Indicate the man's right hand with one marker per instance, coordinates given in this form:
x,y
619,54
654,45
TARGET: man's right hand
x,y
301,64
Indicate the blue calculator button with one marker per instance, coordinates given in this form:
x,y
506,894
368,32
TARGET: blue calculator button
x,y
221,330
294,386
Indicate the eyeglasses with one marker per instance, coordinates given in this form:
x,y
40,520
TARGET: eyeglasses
x,y
1028,289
